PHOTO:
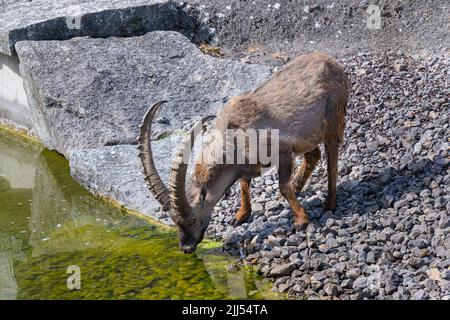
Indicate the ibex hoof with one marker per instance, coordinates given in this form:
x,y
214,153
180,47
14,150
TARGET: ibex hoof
x,y
236,223
301,224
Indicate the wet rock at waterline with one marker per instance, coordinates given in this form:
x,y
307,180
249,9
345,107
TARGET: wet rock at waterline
x,y
66,19
87,93
115,172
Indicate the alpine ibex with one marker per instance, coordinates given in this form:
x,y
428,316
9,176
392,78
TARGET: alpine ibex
x,y
306,101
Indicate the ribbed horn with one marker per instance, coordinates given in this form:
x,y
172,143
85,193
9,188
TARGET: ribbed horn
x,y
154,182
177,180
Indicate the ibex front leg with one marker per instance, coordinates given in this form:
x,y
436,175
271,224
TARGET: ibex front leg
x,y
286,190
246,209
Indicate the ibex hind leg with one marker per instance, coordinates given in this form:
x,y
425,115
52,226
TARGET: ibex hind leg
x,y
309,162
285,172
332,167
245,211
333,135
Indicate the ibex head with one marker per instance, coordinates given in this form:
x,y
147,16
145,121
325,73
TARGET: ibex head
x,y
191,209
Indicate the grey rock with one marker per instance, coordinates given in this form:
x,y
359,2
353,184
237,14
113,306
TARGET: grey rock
x,y
282,270
114,172
353,273
388,200
400,203
444,222
272,205
319,277
445,274
371,257
418,147
400,67
314,201
88,93
372,146
390,288
347,284
65,19
360,283
420,295
232,268
406,159
326,216
331,289
273,241
257,207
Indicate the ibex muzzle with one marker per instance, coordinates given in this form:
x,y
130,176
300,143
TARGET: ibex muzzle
x,y
305,101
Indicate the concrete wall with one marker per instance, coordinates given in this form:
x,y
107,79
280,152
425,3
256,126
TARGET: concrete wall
x,y
14,107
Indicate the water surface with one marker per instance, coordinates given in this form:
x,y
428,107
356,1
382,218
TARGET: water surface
x,y
48,223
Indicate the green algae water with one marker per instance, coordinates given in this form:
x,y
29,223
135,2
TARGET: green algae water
x,y
50,225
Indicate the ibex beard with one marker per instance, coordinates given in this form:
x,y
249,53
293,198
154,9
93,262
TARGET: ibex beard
x,y
297,109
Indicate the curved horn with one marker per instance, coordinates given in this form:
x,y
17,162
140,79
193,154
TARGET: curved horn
x,y
177,180
155,184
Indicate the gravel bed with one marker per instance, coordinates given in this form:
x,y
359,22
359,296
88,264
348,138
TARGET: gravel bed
x,y
390,235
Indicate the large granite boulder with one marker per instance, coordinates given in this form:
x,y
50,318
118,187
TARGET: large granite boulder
x,y
88,97
89,93
64,19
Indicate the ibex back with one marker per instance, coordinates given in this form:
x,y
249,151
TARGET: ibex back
x,y
305,101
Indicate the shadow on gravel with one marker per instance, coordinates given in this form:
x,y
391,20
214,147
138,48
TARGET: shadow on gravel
x,y
379,190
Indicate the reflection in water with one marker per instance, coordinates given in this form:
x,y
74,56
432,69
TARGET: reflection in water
x,y
48,222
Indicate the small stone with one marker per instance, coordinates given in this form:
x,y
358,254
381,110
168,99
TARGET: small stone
x,y
163,120
417,148
416,262
371,257
273,241
272,205
401,203
353,273
434,274
360,283
318,276
390,288
331,289
406,159
372,146
444,222
388,200
282,270
257,207
232,268
357,296
420,295
446,274
442,161
327,215
347,284
400,67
